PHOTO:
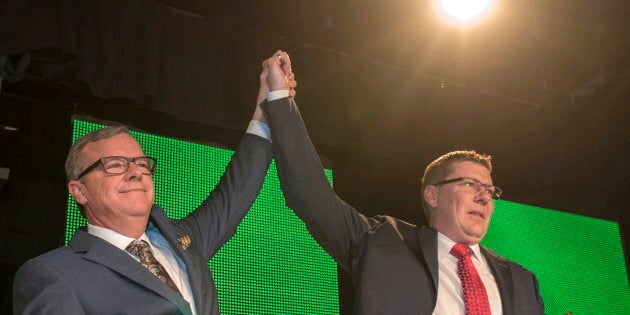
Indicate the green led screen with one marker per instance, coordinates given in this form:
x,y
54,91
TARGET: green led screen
x,y
578,260
273,266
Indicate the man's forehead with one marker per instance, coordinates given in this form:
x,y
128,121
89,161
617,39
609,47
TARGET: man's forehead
x,y
470,169
122,143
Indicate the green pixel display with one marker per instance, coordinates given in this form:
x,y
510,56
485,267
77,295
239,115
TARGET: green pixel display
x,y
273,266
578,260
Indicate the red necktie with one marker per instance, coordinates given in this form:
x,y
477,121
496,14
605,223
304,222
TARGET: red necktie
x,y
475,296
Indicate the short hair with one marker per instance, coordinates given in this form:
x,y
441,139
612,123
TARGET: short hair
x,y
75,160
442,167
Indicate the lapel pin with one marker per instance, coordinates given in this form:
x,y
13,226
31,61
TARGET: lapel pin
x,y
184,241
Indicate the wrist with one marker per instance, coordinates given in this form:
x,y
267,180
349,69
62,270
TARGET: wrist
x,y
277,94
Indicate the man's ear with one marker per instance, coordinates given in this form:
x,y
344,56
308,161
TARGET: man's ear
x,y
430,195
77,190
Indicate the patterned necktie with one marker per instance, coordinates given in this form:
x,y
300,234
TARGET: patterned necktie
x,y
140,249
475,296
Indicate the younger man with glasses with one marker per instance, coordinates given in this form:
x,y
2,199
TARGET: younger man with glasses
x,y
396,267
131,258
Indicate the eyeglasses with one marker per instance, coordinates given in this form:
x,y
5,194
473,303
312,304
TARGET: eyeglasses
x,y
115,165
472,185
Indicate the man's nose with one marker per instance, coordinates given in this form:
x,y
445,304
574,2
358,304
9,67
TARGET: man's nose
x,y
483,196
133,171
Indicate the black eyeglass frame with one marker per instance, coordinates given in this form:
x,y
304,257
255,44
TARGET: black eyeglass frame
x,y
495,195
101,161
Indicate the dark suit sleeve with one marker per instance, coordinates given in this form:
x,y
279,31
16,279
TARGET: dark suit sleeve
x,y
39,289
539,305
216,219
337,226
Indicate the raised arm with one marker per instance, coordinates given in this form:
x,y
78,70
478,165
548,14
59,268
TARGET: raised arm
x,y
337,226
215,221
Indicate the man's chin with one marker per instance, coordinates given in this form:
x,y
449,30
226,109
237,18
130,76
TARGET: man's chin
x,y
139,212
476,235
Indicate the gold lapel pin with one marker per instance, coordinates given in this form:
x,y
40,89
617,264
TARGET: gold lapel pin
x,y
184,241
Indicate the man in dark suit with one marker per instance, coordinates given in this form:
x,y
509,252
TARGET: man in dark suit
x,y
131,258
397,267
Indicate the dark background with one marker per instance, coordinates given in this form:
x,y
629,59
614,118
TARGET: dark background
x,y
384,87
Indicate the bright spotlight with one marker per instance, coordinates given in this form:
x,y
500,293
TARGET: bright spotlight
x,y
464,10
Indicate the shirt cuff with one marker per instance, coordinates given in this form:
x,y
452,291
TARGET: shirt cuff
x,y
278,94
260,129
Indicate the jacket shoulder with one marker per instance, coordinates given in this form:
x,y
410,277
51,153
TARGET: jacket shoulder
x,y
512,264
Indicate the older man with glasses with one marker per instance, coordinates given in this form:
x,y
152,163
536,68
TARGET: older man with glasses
x,y
131,258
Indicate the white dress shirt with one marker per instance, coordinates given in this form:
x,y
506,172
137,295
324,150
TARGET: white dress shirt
x,y
450,296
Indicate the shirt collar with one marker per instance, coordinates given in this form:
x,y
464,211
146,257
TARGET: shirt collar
x,y
445,244
112,237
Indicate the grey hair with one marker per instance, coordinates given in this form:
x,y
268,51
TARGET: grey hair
x,y
75,162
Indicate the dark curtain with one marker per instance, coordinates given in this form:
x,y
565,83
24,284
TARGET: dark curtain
x,y
201,69
173,61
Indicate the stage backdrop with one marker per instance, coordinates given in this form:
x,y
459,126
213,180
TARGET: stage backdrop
x,y
273,266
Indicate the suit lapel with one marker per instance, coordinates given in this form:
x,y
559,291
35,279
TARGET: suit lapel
x,y
502,275
427,238
101,252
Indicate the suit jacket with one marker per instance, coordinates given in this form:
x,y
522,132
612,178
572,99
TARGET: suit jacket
x,y
91,276
393,264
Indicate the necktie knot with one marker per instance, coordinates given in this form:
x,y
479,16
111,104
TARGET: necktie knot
x,y
141,250
460,251
138,248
